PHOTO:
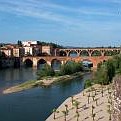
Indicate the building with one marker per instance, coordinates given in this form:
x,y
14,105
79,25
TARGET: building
x,y
28,50
6,52
37,50
47,50
18,52
10,56
29,43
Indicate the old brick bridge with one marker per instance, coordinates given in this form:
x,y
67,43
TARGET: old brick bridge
x,y
94,55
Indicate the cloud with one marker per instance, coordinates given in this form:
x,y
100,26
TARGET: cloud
x,y
69,16
32,9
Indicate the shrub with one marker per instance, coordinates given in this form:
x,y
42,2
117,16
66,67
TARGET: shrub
x,y
101,76
66,69
105,72
87,83
46,70
70,68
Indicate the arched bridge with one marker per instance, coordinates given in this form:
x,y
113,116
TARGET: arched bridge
x,y
94,55
50,59
90,52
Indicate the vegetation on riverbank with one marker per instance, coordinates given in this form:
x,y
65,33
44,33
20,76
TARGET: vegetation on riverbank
x,y
105,72
65,69
47,76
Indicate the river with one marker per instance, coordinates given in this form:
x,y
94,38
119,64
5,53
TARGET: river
x,y
34,104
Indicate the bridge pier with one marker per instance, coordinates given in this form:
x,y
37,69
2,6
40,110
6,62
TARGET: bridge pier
x,y
67,54
34,62
63,62
49,63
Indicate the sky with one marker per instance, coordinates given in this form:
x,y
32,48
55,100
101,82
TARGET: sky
x,y
82,23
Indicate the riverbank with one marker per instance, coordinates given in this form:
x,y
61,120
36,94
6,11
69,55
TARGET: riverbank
x,y
117,98
44,82
100,111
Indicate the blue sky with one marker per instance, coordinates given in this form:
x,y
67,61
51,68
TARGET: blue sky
x,y
65,22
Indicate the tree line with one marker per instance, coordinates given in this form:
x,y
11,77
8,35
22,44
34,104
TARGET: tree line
x,y
65,69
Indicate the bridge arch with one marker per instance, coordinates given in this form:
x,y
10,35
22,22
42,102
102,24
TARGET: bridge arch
x,y
84,53
69,61
87,63
73,53
108,53
96,53
56,64
115,52
62,53
41,63
28,63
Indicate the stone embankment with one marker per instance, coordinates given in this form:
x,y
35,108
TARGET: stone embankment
x,y
117,98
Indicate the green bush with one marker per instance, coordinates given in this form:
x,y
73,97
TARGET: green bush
x,y
66,69
101,76
70,68
87,83
110,70
45,71
105,72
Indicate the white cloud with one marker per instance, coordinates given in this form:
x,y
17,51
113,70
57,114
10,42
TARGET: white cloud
x,y
54,12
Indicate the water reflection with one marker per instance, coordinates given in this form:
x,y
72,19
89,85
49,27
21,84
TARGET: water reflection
x,y
56,64
10,77
34,104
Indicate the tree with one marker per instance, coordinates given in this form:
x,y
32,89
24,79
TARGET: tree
x,y
65,113
83,93
77,115
99,65
105,72
101,75
76,104
66,106
109,111
70,68
93,97
96,101
95,91
19,43
51,44
54,111
72,100
93,116
117,63
93,109
110,70
45,71
102,91
88,98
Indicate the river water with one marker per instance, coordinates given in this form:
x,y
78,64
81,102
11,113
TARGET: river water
x,y
34,104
